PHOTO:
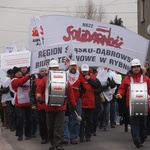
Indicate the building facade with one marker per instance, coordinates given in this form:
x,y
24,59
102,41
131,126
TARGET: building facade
x,y
144,20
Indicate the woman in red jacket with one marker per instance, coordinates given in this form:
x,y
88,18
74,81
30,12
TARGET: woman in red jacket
x,y
55,114
20,85
138,123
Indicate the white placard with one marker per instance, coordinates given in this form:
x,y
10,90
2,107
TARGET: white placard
x,y
18,59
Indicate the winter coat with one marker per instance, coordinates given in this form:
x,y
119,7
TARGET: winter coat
x,y
124,87
76,88
87,91
33,86
70,97
21,86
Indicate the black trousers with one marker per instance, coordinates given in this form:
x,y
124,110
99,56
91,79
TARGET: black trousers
x,y
23,115
86,126
11,115
138,128
55,124
42,124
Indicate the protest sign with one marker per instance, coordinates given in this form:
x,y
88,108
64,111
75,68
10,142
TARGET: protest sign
x,y
94,43
18,59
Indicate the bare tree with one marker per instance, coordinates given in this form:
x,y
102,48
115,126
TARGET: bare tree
x,y
117,21
90,11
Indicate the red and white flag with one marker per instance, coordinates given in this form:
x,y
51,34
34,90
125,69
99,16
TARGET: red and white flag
x,y
70,55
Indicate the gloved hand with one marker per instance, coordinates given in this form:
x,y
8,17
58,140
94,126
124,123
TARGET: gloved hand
x,y
119,96
32,76
41,101
74,109
111,83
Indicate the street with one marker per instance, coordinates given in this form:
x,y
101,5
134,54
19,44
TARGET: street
x,y
113,139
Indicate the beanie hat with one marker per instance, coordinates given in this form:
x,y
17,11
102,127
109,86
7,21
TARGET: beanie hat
x,y
15,70
10,71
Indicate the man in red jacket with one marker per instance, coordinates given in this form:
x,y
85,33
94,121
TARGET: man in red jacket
x,y
20,85
138,123
55,114
89,83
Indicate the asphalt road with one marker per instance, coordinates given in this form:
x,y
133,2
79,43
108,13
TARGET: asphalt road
x,y
113,139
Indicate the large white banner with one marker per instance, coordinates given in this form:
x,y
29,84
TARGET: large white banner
x,y
94,43
18,59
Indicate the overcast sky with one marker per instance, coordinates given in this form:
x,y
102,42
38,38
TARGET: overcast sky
x,y
15,15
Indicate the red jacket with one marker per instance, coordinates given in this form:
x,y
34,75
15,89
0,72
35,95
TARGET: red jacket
x,y
76,88
87,97
39,106
70,97
17,83
124,87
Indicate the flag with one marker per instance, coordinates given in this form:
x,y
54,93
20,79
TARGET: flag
x,y
39,30
70,55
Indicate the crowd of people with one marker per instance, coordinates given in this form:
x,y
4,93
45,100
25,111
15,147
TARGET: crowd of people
x,y
90,93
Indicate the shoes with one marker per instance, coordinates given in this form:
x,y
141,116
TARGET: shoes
x,y
126,129
138,143
81,139
121,121
20,138
74,141
88,139
94,134
44,141
100,127
52,147
105,129
28,138
12,129
59,148
113,126
33,136
65,142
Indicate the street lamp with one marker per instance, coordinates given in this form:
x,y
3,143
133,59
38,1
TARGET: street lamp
x,y
148,29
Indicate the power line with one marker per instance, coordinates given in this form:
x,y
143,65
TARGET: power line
x,y
32,8
13,31
70,12
14,42
111,2
122,3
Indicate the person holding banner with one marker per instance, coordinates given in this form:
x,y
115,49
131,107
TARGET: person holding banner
x,y
20,86
55,114
89,83
137,122
72,125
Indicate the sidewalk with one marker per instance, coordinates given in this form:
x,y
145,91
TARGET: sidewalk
x,y
3,144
